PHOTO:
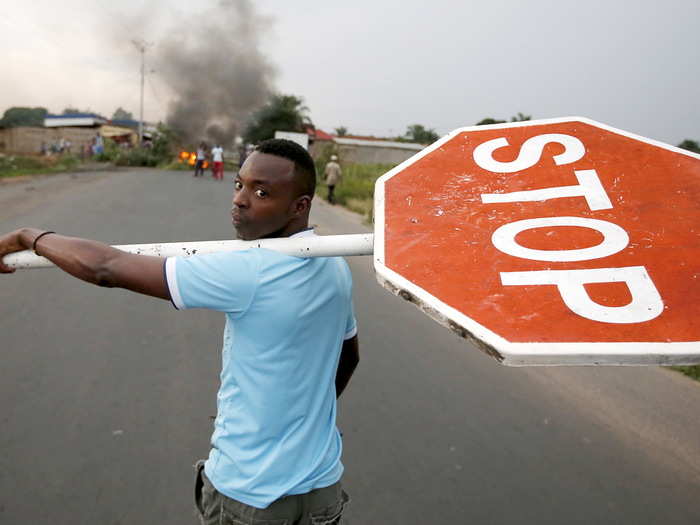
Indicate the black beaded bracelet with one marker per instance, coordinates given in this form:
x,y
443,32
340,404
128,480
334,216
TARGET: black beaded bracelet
x,y
39,237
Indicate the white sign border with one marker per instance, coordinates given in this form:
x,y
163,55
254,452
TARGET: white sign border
x,y
523,354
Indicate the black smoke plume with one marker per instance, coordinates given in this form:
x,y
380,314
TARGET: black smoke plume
x,y
213,65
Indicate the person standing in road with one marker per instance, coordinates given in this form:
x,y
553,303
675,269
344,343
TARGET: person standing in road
x,y
332,174
99,145
289,348
199,160
217,157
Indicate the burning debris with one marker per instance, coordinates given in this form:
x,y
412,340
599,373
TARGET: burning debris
x,y
190,158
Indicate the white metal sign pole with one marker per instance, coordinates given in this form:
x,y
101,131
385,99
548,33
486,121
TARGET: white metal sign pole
x,y
311,246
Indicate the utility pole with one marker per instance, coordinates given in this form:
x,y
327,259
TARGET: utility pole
x,y
141,46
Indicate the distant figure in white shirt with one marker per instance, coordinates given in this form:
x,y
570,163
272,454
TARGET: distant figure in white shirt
x,y
217,157
201,158
332,174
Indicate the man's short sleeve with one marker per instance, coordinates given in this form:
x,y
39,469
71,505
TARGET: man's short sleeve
x,y
350,325
225,281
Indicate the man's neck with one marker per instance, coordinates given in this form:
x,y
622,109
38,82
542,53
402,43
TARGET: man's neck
x,y
290,229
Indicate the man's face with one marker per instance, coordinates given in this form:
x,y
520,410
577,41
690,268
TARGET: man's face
x,y
264,196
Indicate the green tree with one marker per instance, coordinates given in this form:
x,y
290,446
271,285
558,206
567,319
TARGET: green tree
x,y
520,117
489,120
420,134
122,114
281,113
164,142
21,116
341,131
71,111
690,145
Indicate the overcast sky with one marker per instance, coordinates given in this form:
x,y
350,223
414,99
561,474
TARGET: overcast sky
x,y
378,66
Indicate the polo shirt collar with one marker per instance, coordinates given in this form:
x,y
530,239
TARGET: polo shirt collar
x,y
304,233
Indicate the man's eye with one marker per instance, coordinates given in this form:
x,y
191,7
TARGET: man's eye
x,y
237,185
261,193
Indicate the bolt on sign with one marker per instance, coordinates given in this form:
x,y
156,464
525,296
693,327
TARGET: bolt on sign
x,y
559,241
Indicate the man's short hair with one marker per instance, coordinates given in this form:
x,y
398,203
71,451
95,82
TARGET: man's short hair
x,y
304,167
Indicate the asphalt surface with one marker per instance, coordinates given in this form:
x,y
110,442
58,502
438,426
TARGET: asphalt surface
x,y
107,398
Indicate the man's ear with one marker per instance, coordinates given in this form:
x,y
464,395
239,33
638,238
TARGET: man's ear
x,y
301,205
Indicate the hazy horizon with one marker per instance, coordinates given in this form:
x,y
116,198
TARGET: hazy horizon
x,y
373,67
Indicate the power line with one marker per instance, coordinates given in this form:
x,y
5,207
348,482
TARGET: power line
x,y
155,94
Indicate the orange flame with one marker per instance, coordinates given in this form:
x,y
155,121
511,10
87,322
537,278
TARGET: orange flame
x,y
190,157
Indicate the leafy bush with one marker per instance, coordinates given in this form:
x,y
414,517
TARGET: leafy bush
x,y
110,152
137,157
163,144
158,154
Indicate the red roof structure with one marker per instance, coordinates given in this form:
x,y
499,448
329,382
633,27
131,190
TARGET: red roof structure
x,y
319,134
367,137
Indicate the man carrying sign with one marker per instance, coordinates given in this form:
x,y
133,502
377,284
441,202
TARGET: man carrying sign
x,y
290,343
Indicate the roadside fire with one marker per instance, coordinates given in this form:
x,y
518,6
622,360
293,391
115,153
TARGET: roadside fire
x,y
190,158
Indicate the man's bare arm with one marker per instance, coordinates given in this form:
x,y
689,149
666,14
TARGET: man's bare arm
x,y
91,261
349,359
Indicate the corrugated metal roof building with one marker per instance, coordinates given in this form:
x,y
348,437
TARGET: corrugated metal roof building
x,y
364,150
87,120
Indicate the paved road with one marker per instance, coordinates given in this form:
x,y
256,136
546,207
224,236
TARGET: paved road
x,y
107,398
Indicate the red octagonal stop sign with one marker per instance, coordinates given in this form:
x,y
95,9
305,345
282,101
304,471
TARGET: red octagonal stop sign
x,y
549,242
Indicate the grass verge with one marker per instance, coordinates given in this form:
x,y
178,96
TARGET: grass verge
x,y
356,190
17,165
690,371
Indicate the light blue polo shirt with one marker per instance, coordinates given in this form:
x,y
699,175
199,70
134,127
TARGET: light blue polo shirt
x,y
286,319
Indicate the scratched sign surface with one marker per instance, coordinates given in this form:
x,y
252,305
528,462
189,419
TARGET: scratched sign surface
x,y
549,242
